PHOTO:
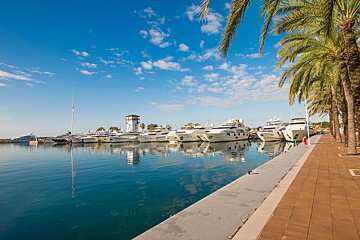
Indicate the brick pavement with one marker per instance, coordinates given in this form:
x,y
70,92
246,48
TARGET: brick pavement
x,y
323,202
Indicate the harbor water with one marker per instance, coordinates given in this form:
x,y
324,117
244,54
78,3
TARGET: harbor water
x,y
103,191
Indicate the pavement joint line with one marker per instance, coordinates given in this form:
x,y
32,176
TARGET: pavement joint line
x,y
257,221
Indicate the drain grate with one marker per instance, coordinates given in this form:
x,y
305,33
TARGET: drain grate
x,y
355,172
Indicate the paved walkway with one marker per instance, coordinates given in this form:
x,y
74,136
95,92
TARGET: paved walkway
x,y
323,201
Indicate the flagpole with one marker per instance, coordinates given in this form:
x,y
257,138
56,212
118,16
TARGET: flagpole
x,y
72,114
307,122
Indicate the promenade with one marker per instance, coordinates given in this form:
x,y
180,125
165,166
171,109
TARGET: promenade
x,y
323,201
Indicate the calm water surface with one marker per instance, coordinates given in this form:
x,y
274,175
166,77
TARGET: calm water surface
x,y
113,191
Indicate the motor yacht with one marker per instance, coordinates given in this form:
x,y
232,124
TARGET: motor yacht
x,y
297,130
272,131
157,135
192,134
232,130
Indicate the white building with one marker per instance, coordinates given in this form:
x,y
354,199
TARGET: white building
x,y
132,123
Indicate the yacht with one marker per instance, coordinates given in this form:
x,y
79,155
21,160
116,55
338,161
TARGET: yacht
x,y
62,139
89,138
192,134
272,131
157,135
24,139
232,130
296,130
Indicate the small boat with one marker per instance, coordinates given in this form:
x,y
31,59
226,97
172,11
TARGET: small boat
x,y
272,131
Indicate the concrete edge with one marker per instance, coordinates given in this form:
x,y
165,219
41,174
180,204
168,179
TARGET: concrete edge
x,y
257,221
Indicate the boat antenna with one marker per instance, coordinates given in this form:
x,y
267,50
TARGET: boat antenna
x,y
72,114
307,122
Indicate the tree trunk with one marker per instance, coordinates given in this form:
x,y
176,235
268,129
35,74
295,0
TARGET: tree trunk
x,y
331,121
344,117
358,124
353,63
335,115
350,107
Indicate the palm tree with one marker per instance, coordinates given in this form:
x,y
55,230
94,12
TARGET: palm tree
x,y
100,129
235,15
113,129
318,22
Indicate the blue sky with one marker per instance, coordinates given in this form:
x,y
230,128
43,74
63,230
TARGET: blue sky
x,y
151,58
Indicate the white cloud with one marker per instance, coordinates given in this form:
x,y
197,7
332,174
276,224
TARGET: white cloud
x,y
147,65
148,12
213,20
211,77
143,33
192,11
233,86
19,77
139,89
202,44
208,68
211,53
251,55
157,37
89,65
79,53
227,6
189,81
108,76
168,107
183,47
168,64
138,71
3,85
37,71
86,72
213,23
216,89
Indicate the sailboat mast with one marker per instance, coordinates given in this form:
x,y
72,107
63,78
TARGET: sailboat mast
x,y
72,114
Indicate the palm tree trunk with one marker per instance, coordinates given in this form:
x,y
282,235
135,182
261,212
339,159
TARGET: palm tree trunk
x,y
335,115
343,109
350,107
353,63
331,121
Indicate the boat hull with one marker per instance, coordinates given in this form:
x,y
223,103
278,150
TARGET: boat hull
x,y
294,135
270,136
225,137
154,138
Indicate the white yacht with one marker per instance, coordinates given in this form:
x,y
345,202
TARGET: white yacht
x,y
192,134
272,131
232,130
24,139
296,130
157,135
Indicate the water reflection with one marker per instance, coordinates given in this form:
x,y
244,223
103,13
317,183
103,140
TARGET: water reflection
x,y
128,187
274,149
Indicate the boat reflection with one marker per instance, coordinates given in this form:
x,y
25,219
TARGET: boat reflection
x,y
274,149
133,152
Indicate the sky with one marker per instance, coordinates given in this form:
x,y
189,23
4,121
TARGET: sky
x,y
153,58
